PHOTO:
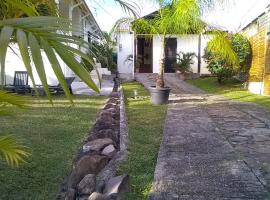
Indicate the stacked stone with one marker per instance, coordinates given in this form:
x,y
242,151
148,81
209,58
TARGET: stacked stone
x,y
100,149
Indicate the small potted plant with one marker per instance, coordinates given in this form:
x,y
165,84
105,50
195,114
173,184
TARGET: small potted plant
x,y
184,62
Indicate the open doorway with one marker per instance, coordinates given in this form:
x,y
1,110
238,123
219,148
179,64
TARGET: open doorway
x,y
144,57
170,55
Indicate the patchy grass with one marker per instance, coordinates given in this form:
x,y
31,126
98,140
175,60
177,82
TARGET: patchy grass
x,y
53,135
232,90
145,123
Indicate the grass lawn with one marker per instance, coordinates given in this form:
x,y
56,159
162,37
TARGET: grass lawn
x,y
53,135
231,90
145,123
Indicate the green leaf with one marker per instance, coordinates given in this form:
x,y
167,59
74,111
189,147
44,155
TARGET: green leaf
x,y
28,9
12,151
75,66
38,60
56,68
5,36
85,56
23,46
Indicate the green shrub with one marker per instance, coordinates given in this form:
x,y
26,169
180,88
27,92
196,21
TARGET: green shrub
x,y
242,48
223,69
218,67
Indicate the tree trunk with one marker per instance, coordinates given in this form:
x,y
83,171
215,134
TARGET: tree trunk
x,y
160,77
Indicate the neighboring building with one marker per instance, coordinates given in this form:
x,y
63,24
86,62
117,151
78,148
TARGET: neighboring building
x,y
258,32
82,18
139,53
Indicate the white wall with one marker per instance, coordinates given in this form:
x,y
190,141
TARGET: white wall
x,y
256,87
185,43
14,63
204,41
126,41
189,44
156,53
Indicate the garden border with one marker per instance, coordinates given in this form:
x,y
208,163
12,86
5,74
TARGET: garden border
x,y
96,164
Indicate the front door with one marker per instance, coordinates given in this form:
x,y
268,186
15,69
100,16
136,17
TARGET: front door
x,y
144,55
170,55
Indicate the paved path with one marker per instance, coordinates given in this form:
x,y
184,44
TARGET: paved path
x,y
79,87
212,148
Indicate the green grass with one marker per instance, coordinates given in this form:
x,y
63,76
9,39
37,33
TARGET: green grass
x,y
231,90
53,135
145,123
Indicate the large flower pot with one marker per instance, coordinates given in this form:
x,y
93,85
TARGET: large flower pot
x,y
159,96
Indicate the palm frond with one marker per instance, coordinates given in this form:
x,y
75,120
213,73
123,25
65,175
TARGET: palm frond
x,y
33,33
220,46
129,7
11,151
8,99
122,22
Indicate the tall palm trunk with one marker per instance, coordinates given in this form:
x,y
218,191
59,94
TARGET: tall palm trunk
x,y
160,77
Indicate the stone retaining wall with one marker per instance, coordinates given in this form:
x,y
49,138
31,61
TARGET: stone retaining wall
x,y
94,168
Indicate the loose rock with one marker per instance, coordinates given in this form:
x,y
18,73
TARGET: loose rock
x,y
98,196
97,145
87,184
70,195
109,151
117,185
88,164
106,133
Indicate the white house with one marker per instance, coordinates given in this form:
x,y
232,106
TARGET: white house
x,y
139,53
81,16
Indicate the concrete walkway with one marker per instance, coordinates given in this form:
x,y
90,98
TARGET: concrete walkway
x,y
79,87
212,148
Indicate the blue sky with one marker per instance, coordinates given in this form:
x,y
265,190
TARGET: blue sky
x,y
231,16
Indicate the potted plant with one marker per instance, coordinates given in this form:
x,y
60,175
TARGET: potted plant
x,y
173,17
183,65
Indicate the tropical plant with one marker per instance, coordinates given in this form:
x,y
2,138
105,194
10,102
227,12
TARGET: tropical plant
x,y
242,47
34,25
175,17
104,52
36,34
10,149
219,65
184,61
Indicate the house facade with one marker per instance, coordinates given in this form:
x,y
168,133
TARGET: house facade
x,y
141,53
82,18
258,32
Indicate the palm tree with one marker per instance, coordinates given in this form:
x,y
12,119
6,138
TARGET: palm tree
x,y
10,149
181,17
23,22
